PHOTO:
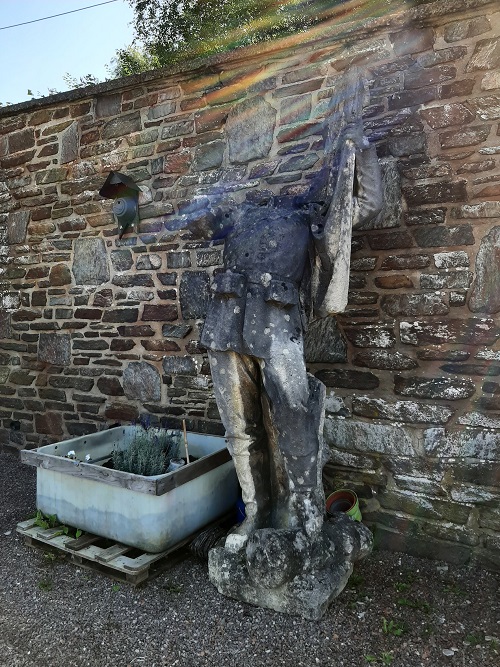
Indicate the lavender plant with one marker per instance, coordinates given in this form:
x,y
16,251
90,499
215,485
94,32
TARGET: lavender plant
x,y
149,453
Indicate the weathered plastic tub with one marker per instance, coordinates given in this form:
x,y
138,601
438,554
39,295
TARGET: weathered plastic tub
x,y
150,513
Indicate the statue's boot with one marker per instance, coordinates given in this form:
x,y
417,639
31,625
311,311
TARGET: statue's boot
x,y
255,495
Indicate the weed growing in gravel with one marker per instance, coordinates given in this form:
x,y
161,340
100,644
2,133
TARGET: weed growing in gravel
x,y
392,627
382,659
45,585
49,557
415,604
356,580
473,639
115,588
494,645
453,588
401,587
172,588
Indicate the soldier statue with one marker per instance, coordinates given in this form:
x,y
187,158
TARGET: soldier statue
x,y
256,320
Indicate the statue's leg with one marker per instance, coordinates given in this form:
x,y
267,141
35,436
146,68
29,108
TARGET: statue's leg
x,y
237,388
296,424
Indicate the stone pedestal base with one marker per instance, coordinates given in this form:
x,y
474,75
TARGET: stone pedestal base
x,y
284,570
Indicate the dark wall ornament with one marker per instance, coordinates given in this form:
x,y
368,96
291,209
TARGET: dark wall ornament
x,y
125,193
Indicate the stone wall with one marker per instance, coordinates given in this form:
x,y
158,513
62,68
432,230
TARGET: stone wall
x,y
95,330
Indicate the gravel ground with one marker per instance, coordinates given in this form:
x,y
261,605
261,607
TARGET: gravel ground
x,y
397,610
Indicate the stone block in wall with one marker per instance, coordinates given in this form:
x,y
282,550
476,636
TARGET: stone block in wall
x,y
121,315
464,29
208,156
348,379
415,545
90,262
121,259
490,518
486,55
5,327
424,506
295,109
121,412
159,346
398,262
194,294
324,342
485,293
159,313
17,225
250,130
475,443
447,115
435,193
414,304
428,77
401,411
413,40
371,335
453,280
469,136
142,382
470,331
384,360
69,144
174,365
393,282
49,423
21,141
451,389
54,348
484,369
108,105
390,241
445,237
122,126
59,275
357,436
148,262
109,385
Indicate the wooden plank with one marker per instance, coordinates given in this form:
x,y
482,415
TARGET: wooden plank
x,y
50,533
109,554
139,563
81,542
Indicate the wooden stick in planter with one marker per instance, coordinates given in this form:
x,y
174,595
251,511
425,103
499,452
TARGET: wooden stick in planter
x,y
185,440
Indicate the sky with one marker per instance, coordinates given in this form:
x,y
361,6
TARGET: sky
x,y
38,55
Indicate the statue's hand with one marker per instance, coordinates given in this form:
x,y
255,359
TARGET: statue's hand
x,y
354,133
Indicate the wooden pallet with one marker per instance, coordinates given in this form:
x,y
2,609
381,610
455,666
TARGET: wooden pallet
x,y
119,561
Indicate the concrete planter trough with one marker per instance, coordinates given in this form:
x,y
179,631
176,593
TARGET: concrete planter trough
x,y
151,513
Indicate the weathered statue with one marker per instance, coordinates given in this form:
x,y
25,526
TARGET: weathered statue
x,y
285,261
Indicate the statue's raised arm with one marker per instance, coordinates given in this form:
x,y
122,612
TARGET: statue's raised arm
x,y
353,194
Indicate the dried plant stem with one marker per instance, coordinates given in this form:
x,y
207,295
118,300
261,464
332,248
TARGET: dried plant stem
x,y
185,440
